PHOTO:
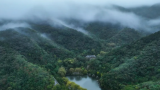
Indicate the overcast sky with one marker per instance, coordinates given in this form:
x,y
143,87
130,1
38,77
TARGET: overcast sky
x,y
20,8
85,10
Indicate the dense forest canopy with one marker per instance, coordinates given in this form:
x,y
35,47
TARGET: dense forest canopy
x,y
116,42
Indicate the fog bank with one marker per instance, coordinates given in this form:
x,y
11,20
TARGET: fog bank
x,y
83,10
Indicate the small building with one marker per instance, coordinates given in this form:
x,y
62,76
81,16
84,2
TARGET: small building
x,y
91,57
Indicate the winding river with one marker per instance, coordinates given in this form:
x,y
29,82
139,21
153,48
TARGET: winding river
x,y
85,82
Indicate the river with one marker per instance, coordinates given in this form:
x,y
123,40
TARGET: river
x,y
85,82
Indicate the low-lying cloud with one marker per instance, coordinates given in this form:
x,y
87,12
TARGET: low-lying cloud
x,y
82,10
154,22
13,26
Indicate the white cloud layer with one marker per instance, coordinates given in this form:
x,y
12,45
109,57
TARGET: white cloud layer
x,y
12,26
84,10
20,8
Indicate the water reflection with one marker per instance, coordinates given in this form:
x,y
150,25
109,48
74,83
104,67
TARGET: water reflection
x,y
85,82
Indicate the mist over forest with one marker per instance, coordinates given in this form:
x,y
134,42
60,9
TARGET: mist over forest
x,y
59,12
114,42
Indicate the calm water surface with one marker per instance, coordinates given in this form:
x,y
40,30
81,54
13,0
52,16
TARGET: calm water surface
x,y
85,82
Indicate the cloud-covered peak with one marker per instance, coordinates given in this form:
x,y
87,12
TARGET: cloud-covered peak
x,y
82,10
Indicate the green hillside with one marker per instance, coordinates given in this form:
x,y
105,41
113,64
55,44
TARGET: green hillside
x,y
27,57
16,73
103,31
132,67
68,38
41,52
79,45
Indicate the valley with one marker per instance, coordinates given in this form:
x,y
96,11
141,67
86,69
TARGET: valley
x,y
79,45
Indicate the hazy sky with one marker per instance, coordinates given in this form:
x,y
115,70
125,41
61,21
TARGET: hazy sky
x,y
20,8
85,10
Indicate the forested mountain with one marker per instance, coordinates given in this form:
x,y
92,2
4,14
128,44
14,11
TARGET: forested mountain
x,y
41,49
131,67
116,45
148,12
17,73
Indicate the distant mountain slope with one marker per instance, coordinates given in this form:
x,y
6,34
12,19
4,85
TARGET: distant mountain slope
x,y
131,64
73,40
45,44
29,42
103,31
69,38
36,49
125,36
48,48
149,12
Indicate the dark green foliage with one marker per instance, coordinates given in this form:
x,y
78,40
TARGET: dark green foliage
x,y
144,86
21,73
70,39
29,57
36,52
102,30
130,64
58,87
18,74
125,36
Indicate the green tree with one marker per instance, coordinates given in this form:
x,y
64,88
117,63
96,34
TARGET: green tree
x,y
78,70
71,70
85,71
62,71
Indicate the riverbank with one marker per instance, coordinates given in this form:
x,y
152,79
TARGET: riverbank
x,y
85,81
